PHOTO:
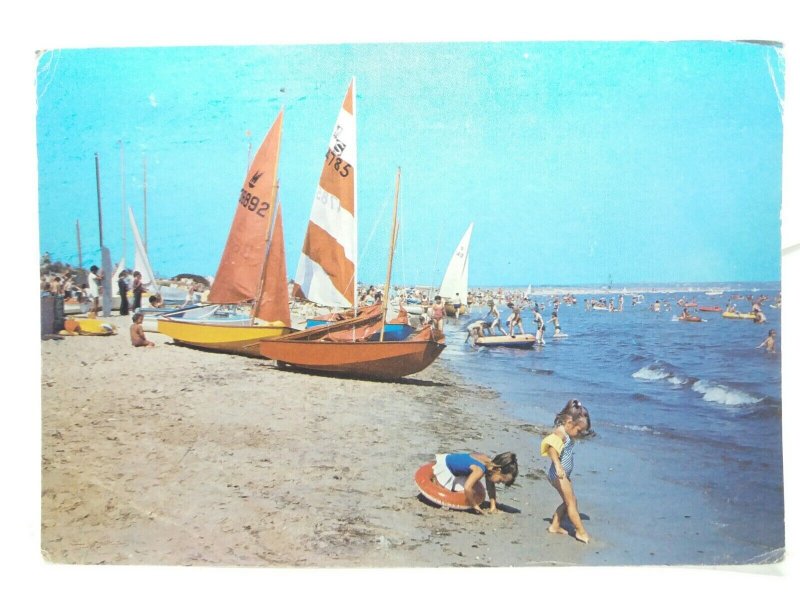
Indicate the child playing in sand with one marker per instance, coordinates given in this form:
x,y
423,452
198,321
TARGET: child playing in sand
x,y
468,469
573,421
137,332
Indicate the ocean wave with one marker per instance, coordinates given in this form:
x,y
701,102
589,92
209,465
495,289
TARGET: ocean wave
x,y
722,394
642,428
710,391
661,371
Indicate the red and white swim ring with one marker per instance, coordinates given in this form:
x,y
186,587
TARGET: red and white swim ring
x,y
438,494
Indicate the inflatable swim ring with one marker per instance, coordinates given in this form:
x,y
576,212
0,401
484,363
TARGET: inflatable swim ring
x,y
438,494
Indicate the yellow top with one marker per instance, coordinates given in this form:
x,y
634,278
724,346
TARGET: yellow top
x,y
554,441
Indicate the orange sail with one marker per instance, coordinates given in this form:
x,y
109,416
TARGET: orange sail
x,y
242,264
326,272
273,305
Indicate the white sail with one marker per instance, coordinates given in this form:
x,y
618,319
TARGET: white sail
x,y
455,278
141,263
120,268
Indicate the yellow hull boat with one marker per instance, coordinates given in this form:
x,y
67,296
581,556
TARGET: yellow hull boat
x,y
221,337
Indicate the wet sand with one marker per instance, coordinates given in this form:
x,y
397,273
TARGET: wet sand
x,y
175,456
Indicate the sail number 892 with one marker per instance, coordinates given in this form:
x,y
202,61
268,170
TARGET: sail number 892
x,y
253,203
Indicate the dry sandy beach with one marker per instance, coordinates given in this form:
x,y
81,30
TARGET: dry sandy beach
x,y
174,456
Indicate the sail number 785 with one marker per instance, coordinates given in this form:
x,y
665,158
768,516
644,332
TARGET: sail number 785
x,y
339,165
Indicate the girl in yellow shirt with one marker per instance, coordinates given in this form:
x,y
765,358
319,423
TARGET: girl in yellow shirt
x,y
573,421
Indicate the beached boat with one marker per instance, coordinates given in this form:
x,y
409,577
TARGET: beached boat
x,y
356,358
454,284
359,355
252,266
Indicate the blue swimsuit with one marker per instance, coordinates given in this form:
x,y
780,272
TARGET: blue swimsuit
x,y
459,464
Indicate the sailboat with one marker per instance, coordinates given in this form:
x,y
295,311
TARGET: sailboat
x,y
454,284
328,265
252,267
359,356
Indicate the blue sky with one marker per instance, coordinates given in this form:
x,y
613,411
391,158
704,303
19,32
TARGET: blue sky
x,y
578,162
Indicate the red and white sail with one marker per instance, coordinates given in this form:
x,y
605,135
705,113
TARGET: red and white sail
x,y
327,270
241,267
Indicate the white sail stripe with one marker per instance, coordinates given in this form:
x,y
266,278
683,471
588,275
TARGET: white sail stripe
x,y
327,213
141,263
316,284
344,133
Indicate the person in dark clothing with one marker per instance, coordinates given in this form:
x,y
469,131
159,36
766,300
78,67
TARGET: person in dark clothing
x,y
122,284
138,290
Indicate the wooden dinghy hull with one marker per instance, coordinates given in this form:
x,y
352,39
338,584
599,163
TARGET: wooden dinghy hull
x,y
360,358
221,337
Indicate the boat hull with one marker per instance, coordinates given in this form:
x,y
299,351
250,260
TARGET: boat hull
x,y
736,315
527,340
221,337
371,360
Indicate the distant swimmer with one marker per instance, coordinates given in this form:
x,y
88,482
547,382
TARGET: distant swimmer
x,y
554,319
656,306
759,316
769,343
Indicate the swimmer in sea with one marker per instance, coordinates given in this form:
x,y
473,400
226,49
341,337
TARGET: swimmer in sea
x,y
769,343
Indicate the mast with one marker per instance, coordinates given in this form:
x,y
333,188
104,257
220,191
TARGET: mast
x,y
392,241
260,286
144,168
78,234
122,178
99,204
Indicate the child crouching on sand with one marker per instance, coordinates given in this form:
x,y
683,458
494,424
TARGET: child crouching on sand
x,y
469,469
137,332
573,421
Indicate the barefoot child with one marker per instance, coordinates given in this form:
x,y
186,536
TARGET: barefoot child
x,y
467,469
573,421
137,332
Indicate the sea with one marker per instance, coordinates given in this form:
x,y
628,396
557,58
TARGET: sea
x,y
686,465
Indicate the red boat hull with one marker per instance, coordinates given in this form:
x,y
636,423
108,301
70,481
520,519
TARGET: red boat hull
x,y
373,360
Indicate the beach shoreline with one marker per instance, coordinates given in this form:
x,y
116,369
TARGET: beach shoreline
x,y
174,456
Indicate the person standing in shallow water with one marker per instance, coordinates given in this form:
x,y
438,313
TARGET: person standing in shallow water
x,y
573,421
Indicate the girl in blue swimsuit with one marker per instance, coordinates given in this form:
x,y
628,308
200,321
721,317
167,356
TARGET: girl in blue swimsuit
x,y
573,421
474,466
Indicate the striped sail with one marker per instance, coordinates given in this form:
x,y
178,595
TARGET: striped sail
x,y
326,272
455,278
241,267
